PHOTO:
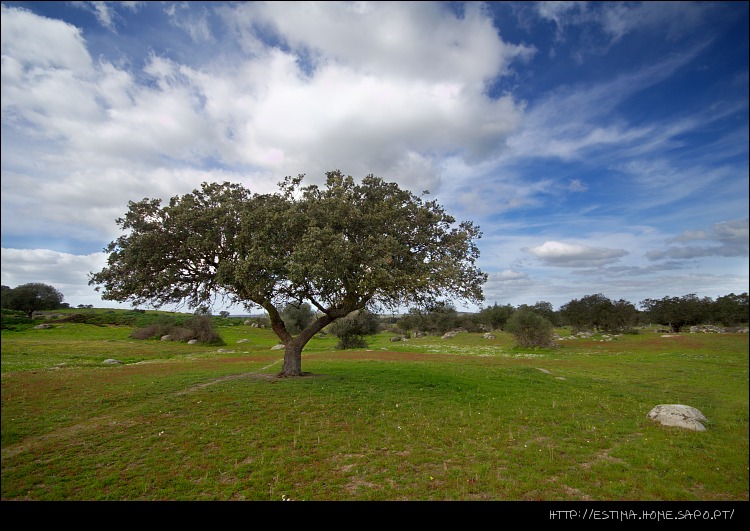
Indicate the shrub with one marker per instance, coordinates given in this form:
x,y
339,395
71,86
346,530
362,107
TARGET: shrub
x,y
351,329
200,328
530,329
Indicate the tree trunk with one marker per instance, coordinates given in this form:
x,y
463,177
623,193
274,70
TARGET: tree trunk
x,y
292,359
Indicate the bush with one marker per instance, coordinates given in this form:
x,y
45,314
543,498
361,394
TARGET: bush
x,y
15,321
200,328
351,329
530,329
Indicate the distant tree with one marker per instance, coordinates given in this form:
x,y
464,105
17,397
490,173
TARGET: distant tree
x,y
441,317
677,312
731,310
32,297
596,312
471,322
619,316
341,248
412,320
4,290
530,329
352,329
437,318
224,314
496,316
297,317
546,310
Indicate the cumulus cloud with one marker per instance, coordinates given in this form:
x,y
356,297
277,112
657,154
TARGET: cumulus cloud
x,y
392,102
560,254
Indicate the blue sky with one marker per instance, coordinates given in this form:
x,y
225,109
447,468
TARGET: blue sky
x,y
601,147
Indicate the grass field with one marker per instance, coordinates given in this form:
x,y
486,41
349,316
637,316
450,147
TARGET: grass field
x,y
424,420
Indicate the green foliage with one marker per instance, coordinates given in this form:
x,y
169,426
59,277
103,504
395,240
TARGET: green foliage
x,y
530,329
731,310
297,317
496,316
437,319
352,329
597,312
15,320
32,297
199,327
677,312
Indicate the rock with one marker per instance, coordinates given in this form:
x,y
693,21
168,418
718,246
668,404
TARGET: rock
x,y
489,336
110,361
397,338
448,335
192,342
166,338
278,347
243,341
42,327
678,415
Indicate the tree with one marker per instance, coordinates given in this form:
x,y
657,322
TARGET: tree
x,y
32,297
731,310
4,290
530,329
440,318
496,316
352,329
545,309
619,316
677,312
341,247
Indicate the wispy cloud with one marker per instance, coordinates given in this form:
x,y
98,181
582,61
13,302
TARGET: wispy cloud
x,y
732,235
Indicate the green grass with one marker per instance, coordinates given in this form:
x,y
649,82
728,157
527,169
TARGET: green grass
x,y
427,419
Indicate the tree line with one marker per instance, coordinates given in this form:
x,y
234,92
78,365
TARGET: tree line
x,y
590,313
595,313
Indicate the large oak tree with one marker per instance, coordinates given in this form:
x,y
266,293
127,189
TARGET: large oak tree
x,y
341,247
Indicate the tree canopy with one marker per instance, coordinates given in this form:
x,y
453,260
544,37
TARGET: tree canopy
x,y
677,312
340,247
32,297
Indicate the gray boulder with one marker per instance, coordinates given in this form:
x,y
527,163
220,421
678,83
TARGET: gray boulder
x,y
678,415
110,361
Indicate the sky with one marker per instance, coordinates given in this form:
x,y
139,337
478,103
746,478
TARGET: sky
x,y
601,147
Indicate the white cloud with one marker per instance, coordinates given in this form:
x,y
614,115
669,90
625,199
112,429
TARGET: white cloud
x,y
40,42
413,40
560,254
